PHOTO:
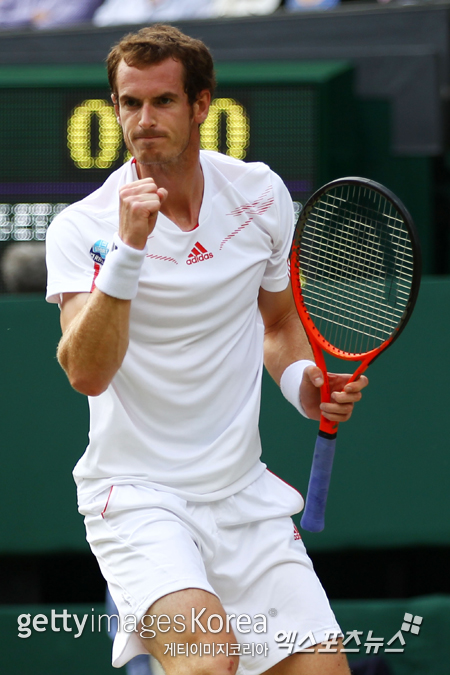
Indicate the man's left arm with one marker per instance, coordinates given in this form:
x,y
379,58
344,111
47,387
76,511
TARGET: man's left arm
x,y
285,342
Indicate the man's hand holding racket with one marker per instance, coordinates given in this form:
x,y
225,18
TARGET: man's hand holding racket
x,y
343,395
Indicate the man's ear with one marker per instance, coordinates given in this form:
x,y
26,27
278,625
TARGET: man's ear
x,y
116,107
201,106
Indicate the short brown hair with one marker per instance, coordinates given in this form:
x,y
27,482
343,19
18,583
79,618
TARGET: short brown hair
x,y
157,43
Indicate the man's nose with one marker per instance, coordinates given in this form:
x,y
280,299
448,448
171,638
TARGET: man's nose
x,y
147,118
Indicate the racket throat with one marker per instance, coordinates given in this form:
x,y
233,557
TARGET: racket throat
x,y
360,370
327,428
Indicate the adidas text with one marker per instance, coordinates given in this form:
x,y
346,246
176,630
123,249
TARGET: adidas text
x,y
199,258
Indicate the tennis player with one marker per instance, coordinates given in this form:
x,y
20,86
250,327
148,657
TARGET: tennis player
x,y
173,286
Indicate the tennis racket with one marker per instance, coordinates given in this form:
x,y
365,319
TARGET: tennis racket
x,y
355,270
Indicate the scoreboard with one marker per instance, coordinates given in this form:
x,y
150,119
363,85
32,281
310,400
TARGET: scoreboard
x,y
59,138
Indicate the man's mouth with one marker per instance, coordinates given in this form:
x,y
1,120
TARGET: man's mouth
x,y
149,137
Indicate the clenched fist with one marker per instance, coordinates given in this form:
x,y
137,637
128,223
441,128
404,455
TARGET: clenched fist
x,y
140,203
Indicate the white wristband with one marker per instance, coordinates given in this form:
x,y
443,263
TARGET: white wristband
x,y
291,380
119,276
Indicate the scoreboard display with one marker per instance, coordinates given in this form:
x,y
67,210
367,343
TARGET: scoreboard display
x,y
59,138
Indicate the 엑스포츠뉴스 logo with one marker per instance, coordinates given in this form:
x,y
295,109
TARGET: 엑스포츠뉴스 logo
x,y
99,251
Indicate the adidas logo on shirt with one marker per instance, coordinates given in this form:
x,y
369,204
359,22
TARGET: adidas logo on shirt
x,y
198,254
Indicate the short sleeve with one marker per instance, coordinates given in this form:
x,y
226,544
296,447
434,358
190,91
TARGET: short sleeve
x,y
276,276
70,265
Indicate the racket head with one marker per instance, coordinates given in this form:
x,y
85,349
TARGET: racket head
x,y
355,268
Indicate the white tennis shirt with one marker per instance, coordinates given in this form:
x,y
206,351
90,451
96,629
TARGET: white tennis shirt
x,y
182,411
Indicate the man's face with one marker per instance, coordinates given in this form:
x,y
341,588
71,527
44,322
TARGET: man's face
x,y
158,123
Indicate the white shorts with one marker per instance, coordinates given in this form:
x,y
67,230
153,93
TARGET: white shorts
x,y
244,549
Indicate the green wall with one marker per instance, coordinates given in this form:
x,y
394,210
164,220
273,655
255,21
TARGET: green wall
x,y
43,432
392,466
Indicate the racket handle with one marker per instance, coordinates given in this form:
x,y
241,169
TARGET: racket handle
x,y
313,518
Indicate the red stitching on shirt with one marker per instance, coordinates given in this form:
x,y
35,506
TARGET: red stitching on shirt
x,y
256,208
107,502
161,257
247,222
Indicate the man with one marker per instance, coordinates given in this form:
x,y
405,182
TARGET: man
x,y
170,278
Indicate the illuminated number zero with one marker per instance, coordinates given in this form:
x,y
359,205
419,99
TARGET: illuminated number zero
x,y
79,139
238,127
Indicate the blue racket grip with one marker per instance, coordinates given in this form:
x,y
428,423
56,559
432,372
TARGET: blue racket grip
x,y
313,518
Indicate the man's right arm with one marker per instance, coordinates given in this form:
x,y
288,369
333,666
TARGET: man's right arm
x,y
96,325
95,339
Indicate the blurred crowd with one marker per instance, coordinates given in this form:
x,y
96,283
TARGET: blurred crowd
x,y
17,14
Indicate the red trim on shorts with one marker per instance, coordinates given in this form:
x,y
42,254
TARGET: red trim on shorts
x,y
107,502
286,483
97,269
297,534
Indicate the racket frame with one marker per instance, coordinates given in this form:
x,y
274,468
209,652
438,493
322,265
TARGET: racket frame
x,y
295,276
316,339
313,518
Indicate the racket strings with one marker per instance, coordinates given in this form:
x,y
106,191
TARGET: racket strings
x,y
363,263
356,267
366,260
